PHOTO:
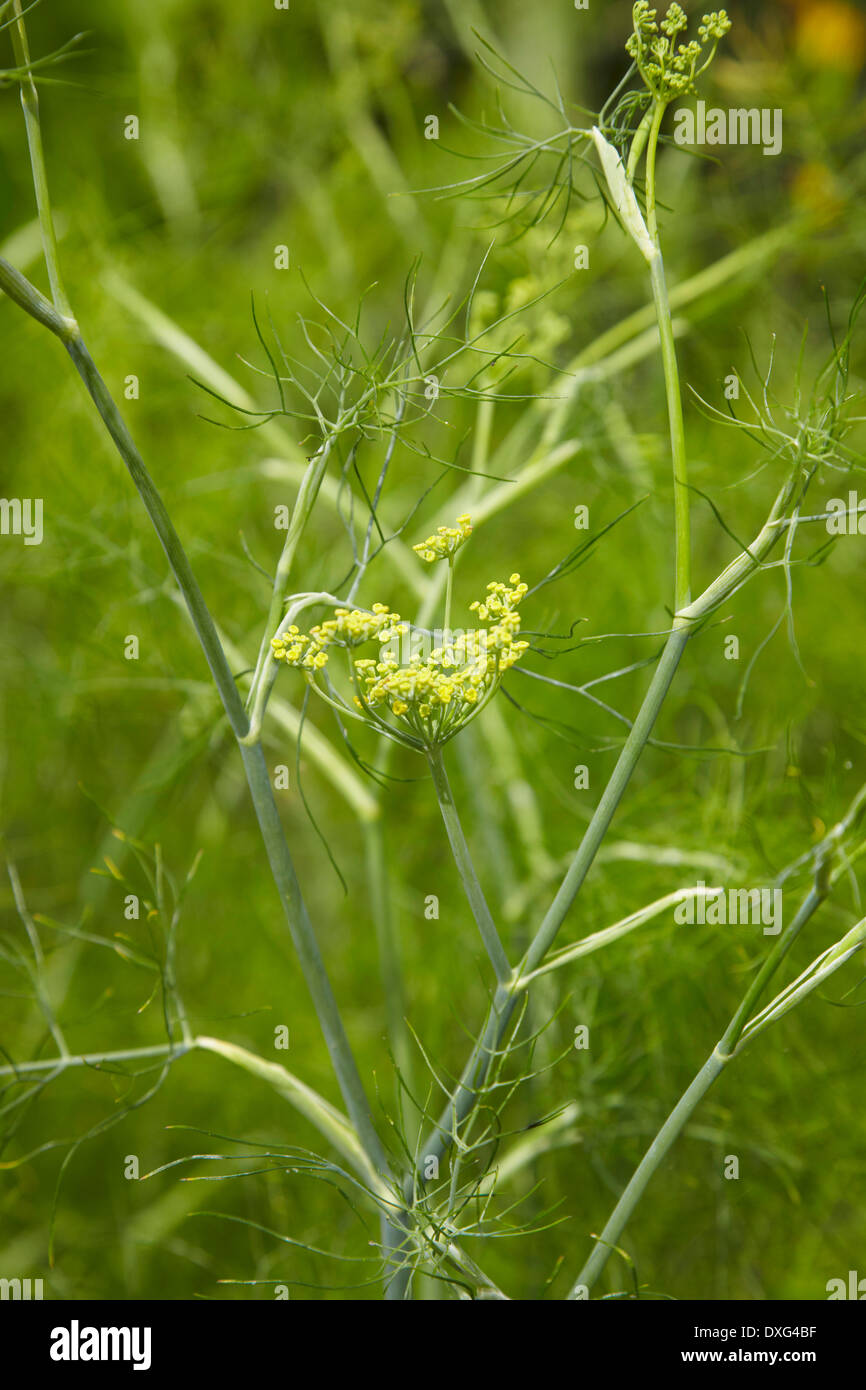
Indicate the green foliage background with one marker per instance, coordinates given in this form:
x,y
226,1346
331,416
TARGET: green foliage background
x,y
261,127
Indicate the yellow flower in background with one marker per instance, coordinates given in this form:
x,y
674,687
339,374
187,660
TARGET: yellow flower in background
x,y
814,190
831,34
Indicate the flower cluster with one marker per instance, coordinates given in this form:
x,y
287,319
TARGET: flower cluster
x,y
446,542
670,68
501,602
349,627
431,697
434,697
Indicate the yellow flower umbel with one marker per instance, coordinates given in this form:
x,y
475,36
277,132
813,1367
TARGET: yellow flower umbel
x,y
446,541
349,627
423,701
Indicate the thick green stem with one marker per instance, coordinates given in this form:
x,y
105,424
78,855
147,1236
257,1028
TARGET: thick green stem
x,y
28,298
466,1092
463,859
313,966
18,1071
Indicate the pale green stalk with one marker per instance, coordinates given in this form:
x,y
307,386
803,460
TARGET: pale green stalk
x,y
330,1121
449,585
58,1065
507,991
326,1117
685,1107
599,939
301,513
682,588
30,104
466,869
610,799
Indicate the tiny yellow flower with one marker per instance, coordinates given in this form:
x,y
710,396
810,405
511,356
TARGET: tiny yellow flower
x,y
446,541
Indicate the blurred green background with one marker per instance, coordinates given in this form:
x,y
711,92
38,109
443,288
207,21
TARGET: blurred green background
x,y
305,128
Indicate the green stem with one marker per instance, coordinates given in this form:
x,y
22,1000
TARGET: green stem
x,y
508,990
656,114
307,947
162,524
638,144
472,1079
809,906
610,798
724,1051
304,503
673,1125
682,525
672,377
465,867
28,298
30,105
280,860
448,587
393,990
20,1070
